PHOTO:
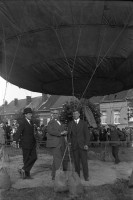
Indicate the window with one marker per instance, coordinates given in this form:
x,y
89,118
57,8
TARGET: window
x,y
104,117
130,114
116,117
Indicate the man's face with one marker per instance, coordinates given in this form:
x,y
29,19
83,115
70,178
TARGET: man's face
x,y
28,116
55,114
112,128
76,115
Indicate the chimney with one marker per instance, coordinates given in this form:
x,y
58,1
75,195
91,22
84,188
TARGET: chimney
x,y
28,100
5,103
15,102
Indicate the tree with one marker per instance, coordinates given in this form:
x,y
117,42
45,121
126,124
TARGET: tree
x,y
69,107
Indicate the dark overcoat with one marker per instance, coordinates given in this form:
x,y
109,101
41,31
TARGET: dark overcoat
x,y
25,131
78,134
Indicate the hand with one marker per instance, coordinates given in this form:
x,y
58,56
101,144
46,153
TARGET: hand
x,y
14,144
86,147
64,133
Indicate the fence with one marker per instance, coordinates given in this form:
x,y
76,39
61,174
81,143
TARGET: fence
x,y
96,146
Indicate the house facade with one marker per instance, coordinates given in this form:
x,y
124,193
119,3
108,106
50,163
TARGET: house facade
x,y
117,109
42,106
9,112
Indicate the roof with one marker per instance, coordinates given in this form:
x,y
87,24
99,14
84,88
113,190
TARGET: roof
x,y
55,101
96,100
11,108
48,103
120,96
62,100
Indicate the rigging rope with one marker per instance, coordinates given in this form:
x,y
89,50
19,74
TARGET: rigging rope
x,y
4,39
104,57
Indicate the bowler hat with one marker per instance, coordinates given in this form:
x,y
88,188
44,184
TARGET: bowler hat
x,y
27,110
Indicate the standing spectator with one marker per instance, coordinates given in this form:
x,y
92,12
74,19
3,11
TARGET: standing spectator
x,y
28,142
108,134
79,138
56,141
14,128
2,136
115,137
7,130
91,136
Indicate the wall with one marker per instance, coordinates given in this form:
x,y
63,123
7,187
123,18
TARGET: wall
x,y
44,116
110,107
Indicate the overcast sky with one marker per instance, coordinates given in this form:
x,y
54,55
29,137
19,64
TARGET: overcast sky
x,y
13,92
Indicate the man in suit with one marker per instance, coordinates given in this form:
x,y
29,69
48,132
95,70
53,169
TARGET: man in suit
x,y
56,141
79,138
28,142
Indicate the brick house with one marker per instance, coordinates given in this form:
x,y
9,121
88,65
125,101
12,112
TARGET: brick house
x,y
8,112
51,102
42,106
117,109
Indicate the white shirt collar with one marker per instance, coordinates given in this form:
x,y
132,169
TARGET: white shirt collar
x,y
28,121
58,121
77,120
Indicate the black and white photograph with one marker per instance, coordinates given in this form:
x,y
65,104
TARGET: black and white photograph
x,y
66,100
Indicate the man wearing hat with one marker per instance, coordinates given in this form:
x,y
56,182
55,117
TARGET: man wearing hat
x,y
28,141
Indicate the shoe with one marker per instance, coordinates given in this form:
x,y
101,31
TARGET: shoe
x,y
117,161
28,177
22,173
86,179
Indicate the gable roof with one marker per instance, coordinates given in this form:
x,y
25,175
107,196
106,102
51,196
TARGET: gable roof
x,y
54,102
62,100
48,103
96,100
120,96
11,108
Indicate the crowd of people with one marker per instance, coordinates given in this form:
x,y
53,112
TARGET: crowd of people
x,y
10,130
96,135
102,134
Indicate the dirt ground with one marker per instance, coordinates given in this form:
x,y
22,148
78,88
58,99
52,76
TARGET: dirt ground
x,y
105,178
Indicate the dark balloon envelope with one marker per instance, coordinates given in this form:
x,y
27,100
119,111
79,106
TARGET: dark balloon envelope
x,y
66,47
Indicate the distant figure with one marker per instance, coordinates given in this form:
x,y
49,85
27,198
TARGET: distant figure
x,y
115,138
7,130
2,136
28,142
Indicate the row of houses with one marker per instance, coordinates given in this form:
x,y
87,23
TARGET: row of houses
x,y
115,108
42,106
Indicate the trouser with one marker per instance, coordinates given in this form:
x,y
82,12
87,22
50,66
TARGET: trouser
x,y
81,155
57,157
115,150
29,158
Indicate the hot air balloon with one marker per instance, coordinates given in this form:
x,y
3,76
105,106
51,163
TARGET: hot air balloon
x,y
70,47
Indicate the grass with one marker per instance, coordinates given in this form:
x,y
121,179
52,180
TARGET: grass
x,y
117,191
